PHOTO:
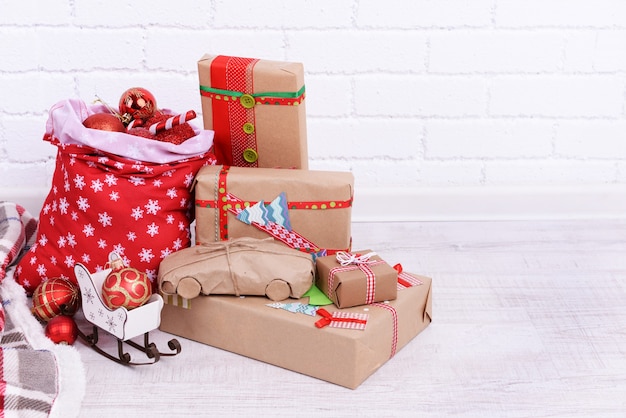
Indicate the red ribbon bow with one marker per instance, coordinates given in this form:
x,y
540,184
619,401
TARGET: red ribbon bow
x,y
328,318
398,268
405,279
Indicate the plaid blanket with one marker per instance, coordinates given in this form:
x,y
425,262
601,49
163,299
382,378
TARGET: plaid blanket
x,y
37,377
17,227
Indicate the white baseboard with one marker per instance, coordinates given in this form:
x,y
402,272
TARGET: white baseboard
x,y
453,203
490,203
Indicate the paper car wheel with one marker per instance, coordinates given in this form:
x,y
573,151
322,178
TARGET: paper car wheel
x,y
188,288
277,290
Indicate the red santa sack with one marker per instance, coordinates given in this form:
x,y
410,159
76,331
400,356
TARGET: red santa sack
x,y
105,198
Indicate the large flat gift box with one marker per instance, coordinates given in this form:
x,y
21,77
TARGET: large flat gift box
x,y
257,110
344,356
304,209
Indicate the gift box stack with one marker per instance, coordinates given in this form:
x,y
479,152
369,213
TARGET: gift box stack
x,y
273,275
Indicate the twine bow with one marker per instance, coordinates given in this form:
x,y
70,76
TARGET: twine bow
x,y
346,259
212,247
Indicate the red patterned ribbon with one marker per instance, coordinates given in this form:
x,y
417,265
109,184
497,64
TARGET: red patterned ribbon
x,y
230,116
369,275
291,238
394,326
341,319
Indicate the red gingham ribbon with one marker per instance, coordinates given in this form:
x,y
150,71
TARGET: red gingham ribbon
x,y
394,323
339,319
369,275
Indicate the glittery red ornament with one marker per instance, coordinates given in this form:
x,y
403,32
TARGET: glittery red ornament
x,y
54,297
138,103
104,122
126,287
142,132
62,330
175,135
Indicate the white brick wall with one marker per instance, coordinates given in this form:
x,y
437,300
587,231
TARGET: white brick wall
x,y
410,93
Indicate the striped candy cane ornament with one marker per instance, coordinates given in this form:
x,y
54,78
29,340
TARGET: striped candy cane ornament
x,y
171,122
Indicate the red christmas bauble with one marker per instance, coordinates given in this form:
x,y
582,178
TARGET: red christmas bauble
x,y
54,297
62,330
126,287
104,122
138,103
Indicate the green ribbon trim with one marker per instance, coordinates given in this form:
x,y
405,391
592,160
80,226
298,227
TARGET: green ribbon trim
x,y
276,94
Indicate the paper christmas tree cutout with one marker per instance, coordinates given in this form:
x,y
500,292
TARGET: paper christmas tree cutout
x,y
260,213
295,307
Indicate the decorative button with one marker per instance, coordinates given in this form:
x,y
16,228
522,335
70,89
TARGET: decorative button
x,y
248,127
247,101
250,155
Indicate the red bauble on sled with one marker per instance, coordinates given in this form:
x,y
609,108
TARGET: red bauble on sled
x,y
125,287
54,297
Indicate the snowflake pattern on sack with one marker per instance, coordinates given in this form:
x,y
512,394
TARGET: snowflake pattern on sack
x,y
100,202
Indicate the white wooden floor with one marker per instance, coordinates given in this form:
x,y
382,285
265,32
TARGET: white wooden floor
x,y
529,321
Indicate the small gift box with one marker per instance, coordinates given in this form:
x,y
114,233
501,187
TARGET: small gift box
x,y
256,108
304,209
353,279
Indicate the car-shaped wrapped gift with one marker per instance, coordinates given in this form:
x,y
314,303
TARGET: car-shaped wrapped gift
x,y
241,266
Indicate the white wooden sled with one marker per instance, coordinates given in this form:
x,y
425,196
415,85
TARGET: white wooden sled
x,y
122,323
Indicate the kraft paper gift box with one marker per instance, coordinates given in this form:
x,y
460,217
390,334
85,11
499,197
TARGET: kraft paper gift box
x,y
304,209
358,278
257,110
346,357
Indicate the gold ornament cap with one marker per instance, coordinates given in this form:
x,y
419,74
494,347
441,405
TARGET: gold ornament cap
x,y
115,261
